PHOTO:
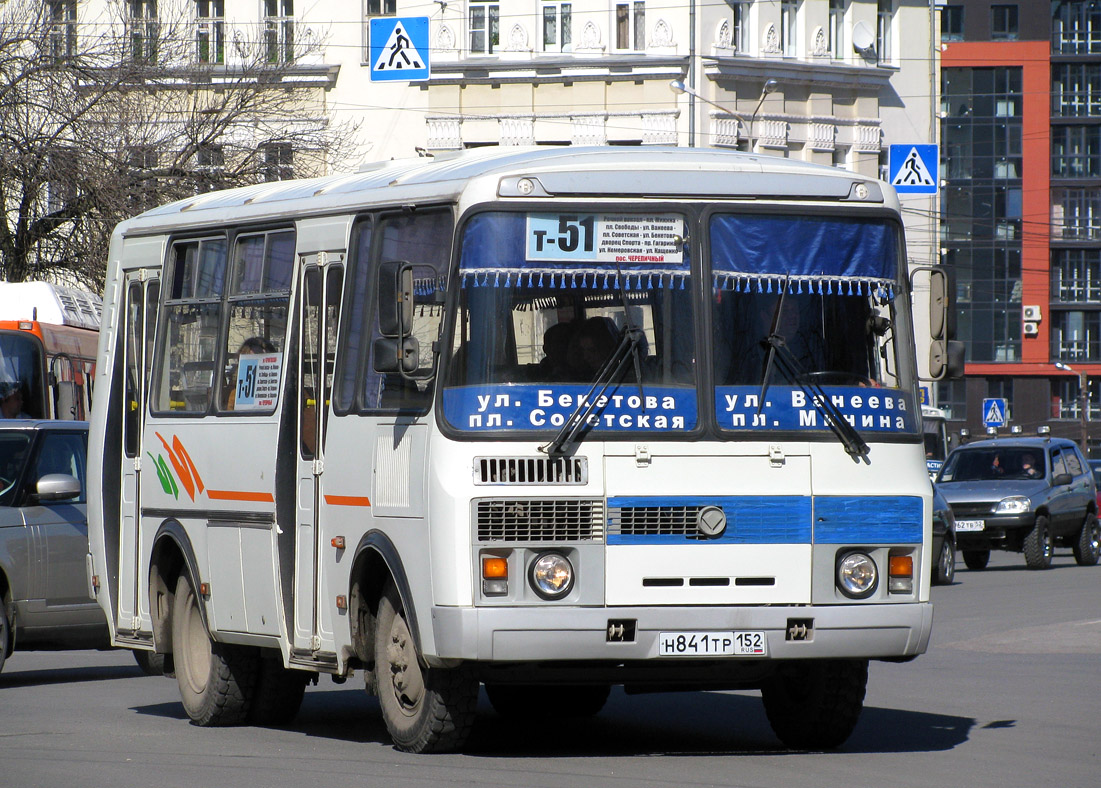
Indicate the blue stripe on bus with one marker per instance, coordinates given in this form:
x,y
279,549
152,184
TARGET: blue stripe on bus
x,y
868,520
779,519
787,519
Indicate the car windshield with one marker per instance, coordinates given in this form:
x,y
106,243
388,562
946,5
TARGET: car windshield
x,y
993,464
545,300
13,453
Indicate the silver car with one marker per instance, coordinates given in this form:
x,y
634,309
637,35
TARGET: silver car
x,y
45,593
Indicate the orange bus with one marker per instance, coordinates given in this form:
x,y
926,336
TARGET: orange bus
x,y
48,336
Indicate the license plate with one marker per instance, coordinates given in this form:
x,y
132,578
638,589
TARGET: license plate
x,y
970,525
712,644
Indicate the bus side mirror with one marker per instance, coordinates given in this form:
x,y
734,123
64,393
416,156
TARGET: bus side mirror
x,y
397,355
395,299
946,355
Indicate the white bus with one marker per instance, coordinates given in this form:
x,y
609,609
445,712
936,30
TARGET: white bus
x,y
546,420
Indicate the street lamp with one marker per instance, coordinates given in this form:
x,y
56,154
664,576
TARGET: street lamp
x,y
770,86
1083,401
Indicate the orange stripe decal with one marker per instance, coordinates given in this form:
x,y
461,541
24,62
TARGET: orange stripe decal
x,y
347,500
237,495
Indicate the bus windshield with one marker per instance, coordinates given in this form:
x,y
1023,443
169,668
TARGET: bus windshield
x,y
21,367
545,299
804,315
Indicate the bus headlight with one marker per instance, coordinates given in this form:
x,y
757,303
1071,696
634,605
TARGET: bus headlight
x,y
551,575
857,575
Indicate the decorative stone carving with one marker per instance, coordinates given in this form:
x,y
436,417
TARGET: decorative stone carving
x,y
866,139
772,133
517,39
590,39
588,130
445,133
819,49
445,39
771,41
822,136
724,36
725,131
659,129
517,131
662,36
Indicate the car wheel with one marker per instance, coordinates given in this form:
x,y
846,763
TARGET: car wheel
x,y
1037,546
558,701
1087,549
976,559
814,704
944,572
5,631
150,662
425,709
215,679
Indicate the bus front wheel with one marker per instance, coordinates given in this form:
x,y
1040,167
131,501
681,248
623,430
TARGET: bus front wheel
x,y
215,679
814,704
425,709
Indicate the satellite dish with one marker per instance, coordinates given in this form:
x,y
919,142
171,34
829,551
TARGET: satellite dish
x,y
864,39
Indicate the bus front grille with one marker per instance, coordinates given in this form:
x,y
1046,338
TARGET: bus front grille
x,y
553,520
531,470
654,521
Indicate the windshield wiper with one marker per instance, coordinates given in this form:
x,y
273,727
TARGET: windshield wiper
x,y
609,372
768,340
790,367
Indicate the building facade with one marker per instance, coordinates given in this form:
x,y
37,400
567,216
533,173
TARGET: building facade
x,y
1021,210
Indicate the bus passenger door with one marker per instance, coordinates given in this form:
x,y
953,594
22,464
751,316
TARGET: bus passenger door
x,y
142,294
319,295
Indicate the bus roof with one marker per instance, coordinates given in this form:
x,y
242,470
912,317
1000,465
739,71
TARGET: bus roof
x,y
558,170
50,303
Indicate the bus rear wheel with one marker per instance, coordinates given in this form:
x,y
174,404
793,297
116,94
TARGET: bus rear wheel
x,y
815,704
216,680
425,709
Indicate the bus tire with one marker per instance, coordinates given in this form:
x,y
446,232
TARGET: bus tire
x,y
150,662
215,679
1087,548
570,700
425,709
815,704
278,694
1037,545
976,559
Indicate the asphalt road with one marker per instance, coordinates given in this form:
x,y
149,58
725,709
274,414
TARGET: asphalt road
x,y
1009,695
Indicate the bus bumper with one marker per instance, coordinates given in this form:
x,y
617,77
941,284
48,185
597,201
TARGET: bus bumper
x,y
581,633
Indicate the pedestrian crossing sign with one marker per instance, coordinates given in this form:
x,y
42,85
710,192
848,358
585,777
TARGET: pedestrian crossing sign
x,y
913,168
399,50
993,412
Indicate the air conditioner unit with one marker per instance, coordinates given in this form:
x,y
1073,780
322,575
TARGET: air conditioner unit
x,y
1032,313
1031,328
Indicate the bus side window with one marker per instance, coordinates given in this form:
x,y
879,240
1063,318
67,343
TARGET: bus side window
x,y
193,317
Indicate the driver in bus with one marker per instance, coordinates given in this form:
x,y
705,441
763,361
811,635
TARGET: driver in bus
x,y
11,401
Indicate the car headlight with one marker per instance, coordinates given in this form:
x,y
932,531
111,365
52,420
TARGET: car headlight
x,y
857,575
551,575
1014,504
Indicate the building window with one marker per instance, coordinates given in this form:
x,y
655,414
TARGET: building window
x,y
278,161
1003,22
1076,275
557,27
143,30
1076,336
210,31
952,398
951,23
837,29
382,7
1076,151
884,19
62,28
1065,393
788,26
141,164
61,184
1076,214
210,168
1076,89
741,38
279,31
485,28
630,26
1076,27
